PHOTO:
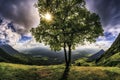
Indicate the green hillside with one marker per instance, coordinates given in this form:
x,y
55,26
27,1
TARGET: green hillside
x,y
26,59
84,62
8,58
113,60
112,52
15,58
2,59
57,72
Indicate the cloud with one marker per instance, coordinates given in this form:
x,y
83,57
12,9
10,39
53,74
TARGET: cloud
x,y
22,13
23,16
109,10
28,44
7,35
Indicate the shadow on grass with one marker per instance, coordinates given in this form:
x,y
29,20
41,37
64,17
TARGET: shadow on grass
x,y
65,74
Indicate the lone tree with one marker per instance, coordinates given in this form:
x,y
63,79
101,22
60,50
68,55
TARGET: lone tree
x,y
66,24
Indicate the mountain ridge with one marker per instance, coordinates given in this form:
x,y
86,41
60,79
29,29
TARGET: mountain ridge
x,y
8,49
113,50
96,55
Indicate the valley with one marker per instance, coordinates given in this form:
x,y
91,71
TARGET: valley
x,y
85,66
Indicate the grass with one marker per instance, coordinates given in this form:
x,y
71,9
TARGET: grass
x,y
113,60
56,72
84,62
115,57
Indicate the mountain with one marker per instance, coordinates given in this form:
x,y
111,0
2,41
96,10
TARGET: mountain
x,y
8,49
7,57
96,56
41,52
110,53
47,53
9,54
113,60
38,56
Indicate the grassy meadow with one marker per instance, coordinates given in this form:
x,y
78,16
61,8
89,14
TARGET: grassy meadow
x,y
10,71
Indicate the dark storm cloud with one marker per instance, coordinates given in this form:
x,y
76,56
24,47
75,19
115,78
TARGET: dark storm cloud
x,y
109,10
21,12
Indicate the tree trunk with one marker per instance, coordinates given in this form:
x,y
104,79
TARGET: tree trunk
x,y
65,53
69,55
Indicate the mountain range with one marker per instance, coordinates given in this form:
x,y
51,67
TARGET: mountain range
x,y
44,52
38,56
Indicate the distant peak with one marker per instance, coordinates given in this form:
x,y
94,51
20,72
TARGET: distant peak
x,y
102,50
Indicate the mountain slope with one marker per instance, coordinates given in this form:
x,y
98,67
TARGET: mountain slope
x,y
113,50
8,58
15,57
96,56
113,60
8,49
9,54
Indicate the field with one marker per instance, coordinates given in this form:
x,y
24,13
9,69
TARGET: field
x,y
57,72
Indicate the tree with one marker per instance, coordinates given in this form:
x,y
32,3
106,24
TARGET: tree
x,y
71,24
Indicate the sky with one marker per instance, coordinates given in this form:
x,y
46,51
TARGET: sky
x,y
109,12
17,17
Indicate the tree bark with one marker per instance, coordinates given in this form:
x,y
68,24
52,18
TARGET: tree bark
x,y
65,53
69,54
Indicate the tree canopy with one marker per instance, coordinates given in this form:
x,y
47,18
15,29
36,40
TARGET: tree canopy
x,y
71,24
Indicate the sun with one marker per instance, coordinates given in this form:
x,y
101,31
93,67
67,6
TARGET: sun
x,y
48,16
